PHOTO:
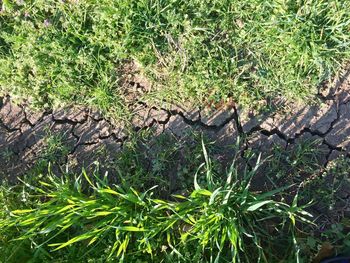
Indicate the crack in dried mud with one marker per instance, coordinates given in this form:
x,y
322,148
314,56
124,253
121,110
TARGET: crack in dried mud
x,y
226,124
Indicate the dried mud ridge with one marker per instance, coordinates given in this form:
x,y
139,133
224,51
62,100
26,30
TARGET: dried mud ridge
x,y
24,135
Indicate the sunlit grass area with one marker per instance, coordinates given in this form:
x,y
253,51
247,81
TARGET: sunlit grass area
x,y
85,218
219,213
72,51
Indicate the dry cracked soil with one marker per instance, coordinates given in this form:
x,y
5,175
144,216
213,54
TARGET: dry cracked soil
x,y
84,136
24,133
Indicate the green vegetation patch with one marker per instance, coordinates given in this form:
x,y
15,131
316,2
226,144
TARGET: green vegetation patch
x,y
72,51
86,218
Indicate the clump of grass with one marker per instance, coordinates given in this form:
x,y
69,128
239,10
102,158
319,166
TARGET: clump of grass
x,y
328,190
297,162
69,51
85,218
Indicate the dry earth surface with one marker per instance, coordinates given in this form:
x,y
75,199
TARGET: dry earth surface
x,y
88,137
23,132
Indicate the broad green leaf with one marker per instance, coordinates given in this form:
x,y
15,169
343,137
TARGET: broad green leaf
x,y
109,191
179,196
28,221
87,178
131,229
258,205
195,181
273,192
214,195
201,192
114,248
73,240
103,213
23,211
67,207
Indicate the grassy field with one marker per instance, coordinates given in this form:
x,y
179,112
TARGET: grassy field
x,y
68,52
74,51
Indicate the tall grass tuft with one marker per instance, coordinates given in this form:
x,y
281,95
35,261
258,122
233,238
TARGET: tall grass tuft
x,y
86,218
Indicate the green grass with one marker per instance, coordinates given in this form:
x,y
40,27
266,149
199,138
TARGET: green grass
x,y
75,52
297,162
71,51
327,190
85,218
163,160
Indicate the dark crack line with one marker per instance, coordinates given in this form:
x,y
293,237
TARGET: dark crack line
x,y
334,148
65,121
69,121
238,122
331,96
144,128
2,102
334,122
199,122
72,152
308,130
44,114
26,118
327,158
94,142
167,118
268,133
8,129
